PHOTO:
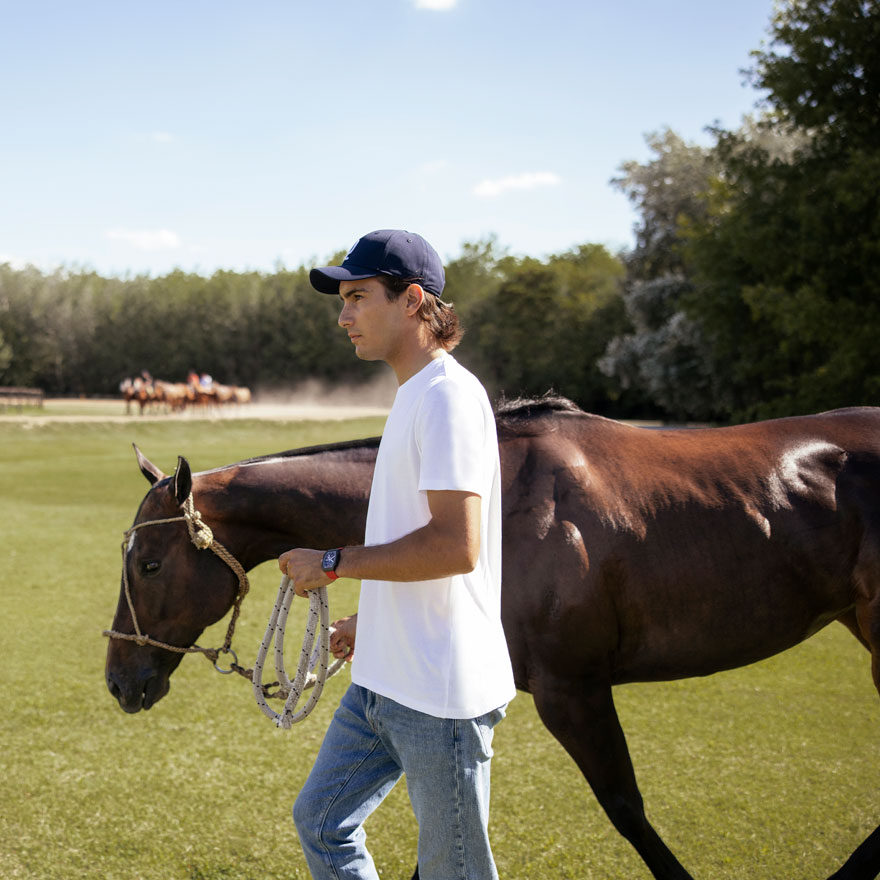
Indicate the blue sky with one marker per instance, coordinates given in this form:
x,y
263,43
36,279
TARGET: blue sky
x,y
139,137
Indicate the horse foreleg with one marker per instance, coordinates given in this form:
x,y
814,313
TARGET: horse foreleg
x,y
851,622
864,622
581,715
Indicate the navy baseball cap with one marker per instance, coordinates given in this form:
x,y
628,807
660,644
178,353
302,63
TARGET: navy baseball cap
x,y
394,252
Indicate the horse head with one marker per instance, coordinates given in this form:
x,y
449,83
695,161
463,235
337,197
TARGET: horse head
x,y
171,589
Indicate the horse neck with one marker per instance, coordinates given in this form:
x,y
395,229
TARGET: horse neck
x,y
261,508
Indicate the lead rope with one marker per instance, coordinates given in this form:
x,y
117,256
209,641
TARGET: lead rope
x,y
311,656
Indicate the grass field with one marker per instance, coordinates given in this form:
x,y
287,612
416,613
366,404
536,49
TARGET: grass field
x,y
772,771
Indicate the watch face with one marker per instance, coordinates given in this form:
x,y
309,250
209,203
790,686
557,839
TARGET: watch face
x,y
330,560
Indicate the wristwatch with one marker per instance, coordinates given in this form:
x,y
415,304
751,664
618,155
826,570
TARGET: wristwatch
x,y
330,561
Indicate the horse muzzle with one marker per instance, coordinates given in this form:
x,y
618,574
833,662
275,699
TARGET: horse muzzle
x,y
137,690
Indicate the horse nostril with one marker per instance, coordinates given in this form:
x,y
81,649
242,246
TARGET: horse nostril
x,y
113,687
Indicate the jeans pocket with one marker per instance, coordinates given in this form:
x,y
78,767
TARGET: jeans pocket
x,y
485,725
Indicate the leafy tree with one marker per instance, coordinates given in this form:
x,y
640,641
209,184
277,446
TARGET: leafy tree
x,y
475,274
753,287
788,284
666,357
32,327
667,190
5,354
547,324
662,359
787,259
822,72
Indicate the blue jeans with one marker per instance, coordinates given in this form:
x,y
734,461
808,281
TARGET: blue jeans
x,y
370,743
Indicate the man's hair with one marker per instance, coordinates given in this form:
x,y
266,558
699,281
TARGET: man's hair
x,y
440,316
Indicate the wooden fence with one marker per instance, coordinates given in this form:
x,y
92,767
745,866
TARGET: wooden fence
x,y
20,397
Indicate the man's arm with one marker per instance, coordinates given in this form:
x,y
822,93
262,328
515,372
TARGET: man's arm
x,y
448,544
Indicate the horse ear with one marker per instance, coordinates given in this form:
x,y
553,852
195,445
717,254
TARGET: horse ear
x,y
148,469
182,481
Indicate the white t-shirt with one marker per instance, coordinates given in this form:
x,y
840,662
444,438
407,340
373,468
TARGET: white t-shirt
x,y
436,646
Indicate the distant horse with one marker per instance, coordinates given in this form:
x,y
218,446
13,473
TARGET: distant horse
x,y
126,389
629,555
220,395
174,395
136,390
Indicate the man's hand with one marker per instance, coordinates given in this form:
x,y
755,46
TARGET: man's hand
x,y
342,639
303,567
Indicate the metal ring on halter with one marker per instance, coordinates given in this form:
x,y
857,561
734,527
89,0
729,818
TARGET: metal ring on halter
x,y
234,658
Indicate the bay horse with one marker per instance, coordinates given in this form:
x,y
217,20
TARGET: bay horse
x,y
630,554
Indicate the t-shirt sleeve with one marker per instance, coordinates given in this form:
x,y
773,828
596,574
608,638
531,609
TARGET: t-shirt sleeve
x,y
451,433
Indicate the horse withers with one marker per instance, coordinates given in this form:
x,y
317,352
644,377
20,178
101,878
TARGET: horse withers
x,y
629,555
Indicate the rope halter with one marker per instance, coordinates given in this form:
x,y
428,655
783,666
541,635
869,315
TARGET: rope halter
x,y
203,538
312,655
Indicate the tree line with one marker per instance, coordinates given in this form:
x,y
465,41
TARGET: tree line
x,y
531,325
753,288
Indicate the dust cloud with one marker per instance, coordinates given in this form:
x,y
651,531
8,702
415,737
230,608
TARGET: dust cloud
x,y
324,400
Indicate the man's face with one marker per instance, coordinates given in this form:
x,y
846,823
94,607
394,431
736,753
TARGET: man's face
x,y
374,325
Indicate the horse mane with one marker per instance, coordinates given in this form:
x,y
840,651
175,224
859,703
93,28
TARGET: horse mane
x,y
341,446
526,415
529,407
516,415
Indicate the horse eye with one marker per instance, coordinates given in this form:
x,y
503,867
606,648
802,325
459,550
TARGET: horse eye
x,y
150,567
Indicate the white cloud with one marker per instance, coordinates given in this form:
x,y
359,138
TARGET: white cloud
x,y
528,180
161,137
439,5
146,239
434,167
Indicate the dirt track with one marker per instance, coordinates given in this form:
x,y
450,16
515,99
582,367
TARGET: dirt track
x,y
63,410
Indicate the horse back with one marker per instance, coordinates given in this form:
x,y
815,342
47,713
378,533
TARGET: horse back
x,y
682,552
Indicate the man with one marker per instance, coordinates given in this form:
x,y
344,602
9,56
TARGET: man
x,y
431,675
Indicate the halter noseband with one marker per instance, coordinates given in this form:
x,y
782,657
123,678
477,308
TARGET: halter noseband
x,y
203,538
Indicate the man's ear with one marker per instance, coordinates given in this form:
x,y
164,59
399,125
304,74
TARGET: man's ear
x,y
415,296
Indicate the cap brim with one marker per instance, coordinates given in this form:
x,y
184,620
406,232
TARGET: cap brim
x,y
327,278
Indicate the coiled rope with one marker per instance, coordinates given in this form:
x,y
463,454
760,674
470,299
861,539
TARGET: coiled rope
x,y
312,656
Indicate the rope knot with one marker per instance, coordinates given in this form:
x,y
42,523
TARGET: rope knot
x,y
200,532
202,536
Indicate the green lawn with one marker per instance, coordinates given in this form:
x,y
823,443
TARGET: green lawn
x,y
767,772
